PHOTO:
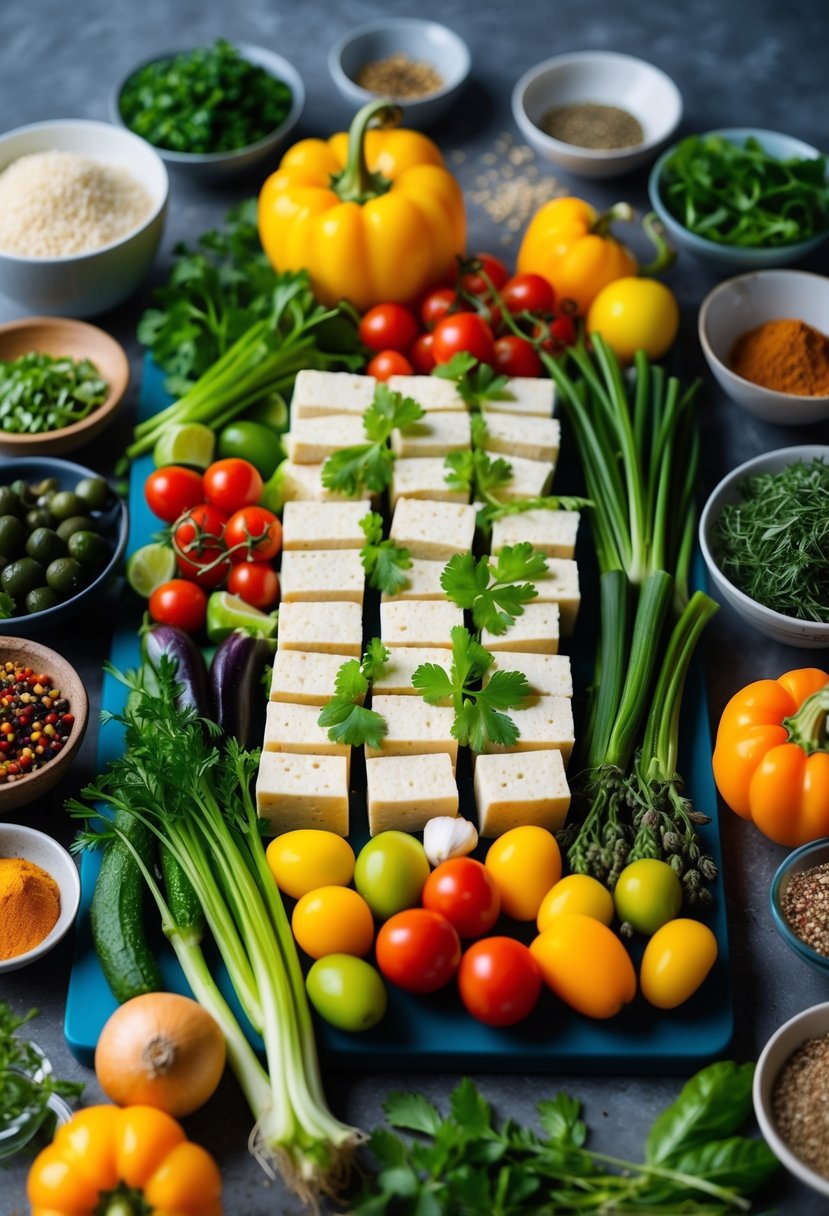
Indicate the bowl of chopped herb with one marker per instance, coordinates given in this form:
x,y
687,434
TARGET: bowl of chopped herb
x,y
764,535
214,111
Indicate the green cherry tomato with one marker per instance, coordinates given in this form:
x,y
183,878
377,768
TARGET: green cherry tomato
x,y
347,991
647,895
390,873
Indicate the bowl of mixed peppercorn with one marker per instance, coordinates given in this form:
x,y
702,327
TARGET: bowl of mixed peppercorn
x,y
799,896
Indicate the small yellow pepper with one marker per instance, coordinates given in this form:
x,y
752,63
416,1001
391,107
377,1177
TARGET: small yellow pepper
x,y
372,215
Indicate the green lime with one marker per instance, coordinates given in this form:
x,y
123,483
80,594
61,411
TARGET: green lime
x,y
191,444
272,412
226,612
149,567
254,442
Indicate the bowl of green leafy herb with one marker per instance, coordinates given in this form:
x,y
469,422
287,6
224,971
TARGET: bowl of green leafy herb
x,y
743,198
764,535
211,111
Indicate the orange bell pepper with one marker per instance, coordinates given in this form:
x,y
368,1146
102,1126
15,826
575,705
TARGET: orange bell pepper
x,y
771,759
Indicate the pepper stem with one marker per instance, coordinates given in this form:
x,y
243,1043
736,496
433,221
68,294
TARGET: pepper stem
x,y
664,255
622,212
356,183
807,725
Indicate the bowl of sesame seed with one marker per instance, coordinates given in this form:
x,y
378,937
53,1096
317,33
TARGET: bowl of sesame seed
x,y
799,896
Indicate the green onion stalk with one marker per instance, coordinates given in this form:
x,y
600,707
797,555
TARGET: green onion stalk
x,y
195,798
639,447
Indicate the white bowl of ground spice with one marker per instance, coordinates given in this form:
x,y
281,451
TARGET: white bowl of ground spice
x,y
39,895
82,210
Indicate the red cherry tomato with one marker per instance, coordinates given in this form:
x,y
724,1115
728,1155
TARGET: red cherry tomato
x,y
389,327
563,330
253,535
232,484
463,331
180,603
528,293
418,950
437,304
516,356
199,546
493,268
172,490
257,583
499,981
389,363
421,355
465,892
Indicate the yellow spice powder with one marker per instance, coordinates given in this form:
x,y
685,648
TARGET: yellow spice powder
x,y
29,905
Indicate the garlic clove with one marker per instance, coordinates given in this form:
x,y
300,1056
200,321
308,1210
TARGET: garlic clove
x,y
448,836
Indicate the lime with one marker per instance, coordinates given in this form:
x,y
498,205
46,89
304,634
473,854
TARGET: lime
x,y
149,567
251,441
271,412
226,612
191,444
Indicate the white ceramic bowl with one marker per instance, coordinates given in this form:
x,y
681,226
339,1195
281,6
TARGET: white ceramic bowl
x,y
421,41
786,629
85,284
37,847
605,78
810,1024
204,166
741,304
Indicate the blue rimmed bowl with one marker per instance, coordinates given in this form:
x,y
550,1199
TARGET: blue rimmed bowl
x,y
805,858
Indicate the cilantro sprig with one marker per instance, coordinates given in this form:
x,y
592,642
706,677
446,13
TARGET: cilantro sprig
x,y
476,382
384,562
494,591
345,716
368,466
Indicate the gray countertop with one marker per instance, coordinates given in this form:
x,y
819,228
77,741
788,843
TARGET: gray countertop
x,y
741,63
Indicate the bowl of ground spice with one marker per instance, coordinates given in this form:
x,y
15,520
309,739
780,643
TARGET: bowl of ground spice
x,y
765,337
799,896
39,895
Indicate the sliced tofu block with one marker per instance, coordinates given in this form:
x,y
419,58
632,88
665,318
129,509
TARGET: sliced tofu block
x,y
549,675
422,477
324,525
553,532
305,677
526,396
318,393
560,586
546,724
419,623
536,631
530,479
530,438
433,530
396,675
422,582
325,626
404,792
303,483
313,440
294,728
432,393
414,728
514,790
322,574
302,792
433,436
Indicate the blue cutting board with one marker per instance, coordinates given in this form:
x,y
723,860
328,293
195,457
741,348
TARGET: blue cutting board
x,y
435,1032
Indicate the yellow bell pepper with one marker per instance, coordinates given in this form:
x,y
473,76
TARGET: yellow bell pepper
x,y
570,245
372,215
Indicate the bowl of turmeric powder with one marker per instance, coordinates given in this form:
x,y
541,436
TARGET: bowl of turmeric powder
x,y
39,895
764,337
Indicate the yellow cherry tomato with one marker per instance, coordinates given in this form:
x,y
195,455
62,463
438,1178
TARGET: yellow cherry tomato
x,y
586,965
525,862
635,314
676,961
333,920
308,858
576,893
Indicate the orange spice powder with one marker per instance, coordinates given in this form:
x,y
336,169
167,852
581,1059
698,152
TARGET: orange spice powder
x,y
784,355
29,905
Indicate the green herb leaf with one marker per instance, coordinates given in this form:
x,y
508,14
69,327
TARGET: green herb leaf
x,y
384,562
368,466
560,1118
548,502
713,1104
736,1163
432,682
470,1109
8,608
375,658
412,1112
344,716
40,392
476,382
494,592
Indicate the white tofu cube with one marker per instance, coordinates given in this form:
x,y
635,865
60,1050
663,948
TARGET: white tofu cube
x,y
303,483
536,631
552,532
318,393
560,585
396,675
414,728
545,724
404,792
322,574
434,435
313,440
302,792
514,790
432,393
418,623
433,530
305,677
530,479
422,477
549,675
422,582
526,396
294,728
325,626
530,438
324,525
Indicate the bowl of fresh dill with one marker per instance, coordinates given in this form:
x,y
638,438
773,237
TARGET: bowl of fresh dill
x,y
764,535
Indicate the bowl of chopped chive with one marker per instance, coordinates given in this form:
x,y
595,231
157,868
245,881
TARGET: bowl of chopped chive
x,y
213,111
799,897
764,535
596,113
61,383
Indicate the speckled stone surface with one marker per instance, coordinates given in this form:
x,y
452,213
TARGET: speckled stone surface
x,y
741,63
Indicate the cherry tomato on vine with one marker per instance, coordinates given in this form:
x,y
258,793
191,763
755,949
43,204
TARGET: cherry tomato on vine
x,y
437,304
172,490
253,534
388,327
418,950
528,293
516,356
492,267
499,981
199,546
463,331
421,355
257,583
180,603
563,330
389,363
463,891
232,484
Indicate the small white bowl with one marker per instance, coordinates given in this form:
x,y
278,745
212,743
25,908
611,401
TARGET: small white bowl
x,y
741,304
421,41
37,847
605,78
786,629
810,1024
85,284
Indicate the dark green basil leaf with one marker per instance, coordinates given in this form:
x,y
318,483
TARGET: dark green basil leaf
x,y
713,1104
